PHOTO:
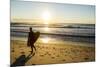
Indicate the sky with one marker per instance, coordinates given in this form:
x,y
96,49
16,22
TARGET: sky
x,y
39,12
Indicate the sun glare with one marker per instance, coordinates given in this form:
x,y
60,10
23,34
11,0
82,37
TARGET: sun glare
x,y
45,40
46,29
46,17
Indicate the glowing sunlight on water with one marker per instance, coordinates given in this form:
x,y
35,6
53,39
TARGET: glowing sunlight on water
x,y
45,40
46,29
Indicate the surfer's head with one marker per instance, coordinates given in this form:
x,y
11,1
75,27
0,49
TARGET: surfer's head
x,y
30,28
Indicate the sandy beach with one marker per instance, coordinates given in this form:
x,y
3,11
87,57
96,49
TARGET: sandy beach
x,y
48,53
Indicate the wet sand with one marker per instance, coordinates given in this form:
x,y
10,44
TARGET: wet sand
x,y
48,53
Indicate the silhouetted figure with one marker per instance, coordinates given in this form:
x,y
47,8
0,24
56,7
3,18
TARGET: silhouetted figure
x,y
32,37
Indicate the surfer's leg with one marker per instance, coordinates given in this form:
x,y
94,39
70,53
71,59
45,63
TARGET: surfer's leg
x,y
34,47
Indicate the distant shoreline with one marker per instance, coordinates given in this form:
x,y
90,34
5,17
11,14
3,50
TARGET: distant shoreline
x,y
69,25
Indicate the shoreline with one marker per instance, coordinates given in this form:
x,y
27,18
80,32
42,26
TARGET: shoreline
x,y
62,42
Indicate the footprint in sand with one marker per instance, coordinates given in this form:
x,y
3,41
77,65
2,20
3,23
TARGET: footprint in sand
x,y
65,55
49,54
54,48
46,47
45,53
22,52
52,57
12,50
57,56
41,55
66,51
63,60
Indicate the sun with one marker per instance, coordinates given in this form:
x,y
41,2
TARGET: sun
x,y
46,16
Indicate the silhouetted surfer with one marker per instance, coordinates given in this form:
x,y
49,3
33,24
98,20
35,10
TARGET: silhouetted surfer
x,y
32,37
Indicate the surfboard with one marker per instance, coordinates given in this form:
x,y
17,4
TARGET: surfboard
x,y
36,36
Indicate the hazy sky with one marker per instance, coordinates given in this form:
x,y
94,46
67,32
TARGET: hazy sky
x,y
62,13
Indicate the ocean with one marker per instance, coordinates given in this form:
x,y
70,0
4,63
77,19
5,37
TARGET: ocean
x,y
55,32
